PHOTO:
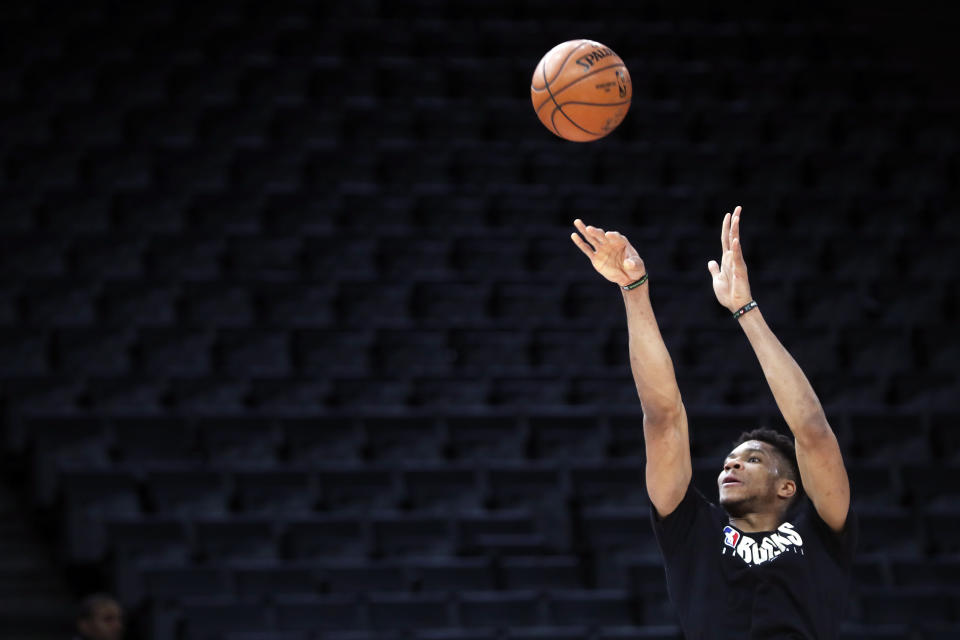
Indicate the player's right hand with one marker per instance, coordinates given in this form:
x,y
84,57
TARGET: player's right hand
x,y
610,253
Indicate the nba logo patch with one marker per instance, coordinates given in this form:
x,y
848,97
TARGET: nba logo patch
x,y
731,537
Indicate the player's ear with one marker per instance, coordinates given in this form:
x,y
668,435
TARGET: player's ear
x,y
787,488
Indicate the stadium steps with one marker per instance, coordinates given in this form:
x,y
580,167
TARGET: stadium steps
x,y
35,602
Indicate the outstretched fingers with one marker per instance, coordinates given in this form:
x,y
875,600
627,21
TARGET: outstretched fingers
x,y
735,245
596,236
591,234
725,234
582,245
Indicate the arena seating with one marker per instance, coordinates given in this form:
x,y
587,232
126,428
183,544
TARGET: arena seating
x,y
296,346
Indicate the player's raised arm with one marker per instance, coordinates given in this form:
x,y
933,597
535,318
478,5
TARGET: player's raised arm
x,y
818,454
668,470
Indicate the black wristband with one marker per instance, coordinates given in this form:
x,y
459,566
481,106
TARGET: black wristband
x,y
742,310
634,285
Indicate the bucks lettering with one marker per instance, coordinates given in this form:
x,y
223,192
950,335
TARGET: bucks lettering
x,y
769,547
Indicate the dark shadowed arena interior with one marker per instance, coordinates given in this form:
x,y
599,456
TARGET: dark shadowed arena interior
x,y
295,345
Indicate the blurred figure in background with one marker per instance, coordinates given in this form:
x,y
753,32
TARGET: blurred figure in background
x,y
100,617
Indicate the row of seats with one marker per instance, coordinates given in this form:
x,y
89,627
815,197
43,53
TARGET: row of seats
x,y
453,437
275,169
182,223
341,391
94,251
211,539
135,153
534,614
559,614
475,33
542,543
351,576
456,311
253,486
257,113
897,631
484,354
642,575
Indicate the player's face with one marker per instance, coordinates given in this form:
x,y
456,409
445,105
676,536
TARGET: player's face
x,y
106,623
748,481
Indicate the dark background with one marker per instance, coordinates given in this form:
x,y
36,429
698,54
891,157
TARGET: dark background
x,y
294,337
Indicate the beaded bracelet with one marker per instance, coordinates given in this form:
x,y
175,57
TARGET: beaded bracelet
x,y
634,285
742,310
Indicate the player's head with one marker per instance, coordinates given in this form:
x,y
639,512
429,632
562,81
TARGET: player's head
x,y
100,617
759,474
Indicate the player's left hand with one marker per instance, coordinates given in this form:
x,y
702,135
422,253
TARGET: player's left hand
x,y
730,283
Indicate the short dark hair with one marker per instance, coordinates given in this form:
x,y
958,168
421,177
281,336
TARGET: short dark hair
x,y
89,604
784,446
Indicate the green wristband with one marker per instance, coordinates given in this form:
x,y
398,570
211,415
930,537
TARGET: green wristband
x,y
634,285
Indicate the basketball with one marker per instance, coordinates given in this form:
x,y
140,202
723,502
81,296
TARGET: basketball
x,y
581,90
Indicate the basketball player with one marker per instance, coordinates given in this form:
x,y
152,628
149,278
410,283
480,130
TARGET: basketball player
x,y
773,560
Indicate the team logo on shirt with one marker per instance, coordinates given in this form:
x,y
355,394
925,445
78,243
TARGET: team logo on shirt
x,y
771,546
731,537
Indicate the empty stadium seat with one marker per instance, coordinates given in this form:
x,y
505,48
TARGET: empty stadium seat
x,y
80,442
412,352
185,490
488,255
235,538
281,491
161,583
871,483
486,437
529,393
607,484
875,523
499,609
591,607
494,351
442,489
90,497
361,576
546,572
524,487
454,574
577,352
404,611
266,578
241,441
616,531
566,438
645,632
902,433
138,539
323,439
323,537
883,606
402,439
456,634
399,536
208,618
508,532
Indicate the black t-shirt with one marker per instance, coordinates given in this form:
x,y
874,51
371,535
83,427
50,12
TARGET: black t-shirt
x,y
786,584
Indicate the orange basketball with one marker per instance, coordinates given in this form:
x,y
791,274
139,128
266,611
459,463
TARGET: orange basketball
x,y
581,90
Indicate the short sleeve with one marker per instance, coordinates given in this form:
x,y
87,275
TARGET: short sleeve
x,y
677,527
841,544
